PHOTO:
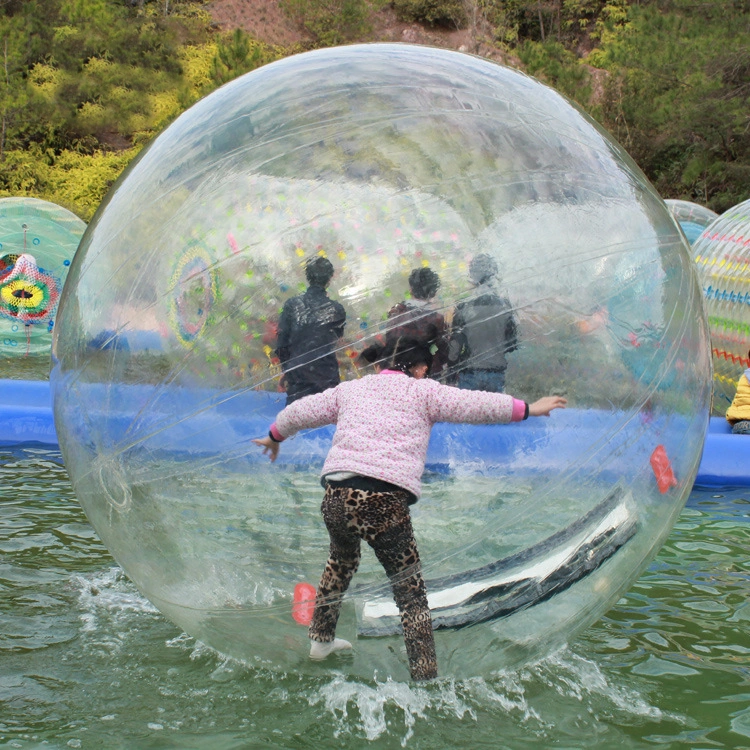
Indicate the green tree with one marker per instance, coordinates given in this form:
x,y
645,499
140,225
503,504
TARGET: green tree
x,y
84,84
237,55
678,97
556,65
13,94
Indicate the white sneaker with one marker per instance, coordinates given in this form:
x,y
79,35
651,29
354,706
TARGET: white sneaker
x,y
320,650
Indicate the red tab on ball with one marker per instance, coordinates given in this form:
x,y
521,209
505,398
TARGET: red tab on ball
x,y
303,605
665,478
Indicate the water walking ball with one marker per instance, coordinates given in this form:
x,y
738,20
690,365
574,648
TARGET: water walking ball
x,y
37,242
692,217
722,255
384,159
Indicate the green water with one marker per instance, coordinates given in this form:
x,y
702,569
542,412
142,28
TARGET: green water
x,y
86,662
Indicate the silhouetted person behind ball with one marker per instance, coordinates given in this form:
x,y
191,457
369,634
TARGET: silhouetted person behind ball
x,y
416,319
310,326
483,332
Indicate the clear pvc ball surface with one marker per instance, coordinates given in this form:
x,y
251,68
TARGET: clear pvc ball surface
x,y
383,159
38,240
722,256
692,217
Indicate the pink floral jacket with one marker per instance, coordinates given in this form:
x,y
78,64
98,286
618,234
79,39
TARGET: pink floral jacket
x,y
383,422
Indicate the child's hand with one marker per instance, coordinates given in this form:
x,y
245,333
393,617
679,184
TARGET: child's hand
x,y
270,447
545,405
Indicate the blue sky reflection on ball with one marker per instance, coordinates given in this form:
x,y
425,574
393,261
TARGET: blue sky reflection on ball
x,y
383,158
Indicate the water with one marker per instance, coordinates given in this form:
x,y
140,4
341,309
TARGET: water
x,y
86,662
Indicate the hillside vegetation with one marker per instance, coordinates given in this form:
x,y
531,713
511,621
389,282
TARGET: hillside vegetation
x,y
86,83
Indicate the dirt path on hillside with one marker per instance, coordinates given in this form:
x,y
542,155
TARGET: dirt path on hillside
x,y
264,20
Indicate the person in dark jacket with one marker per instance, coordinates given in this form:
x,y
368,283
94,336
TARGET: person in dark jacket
x,y
310,327
417,319
483,332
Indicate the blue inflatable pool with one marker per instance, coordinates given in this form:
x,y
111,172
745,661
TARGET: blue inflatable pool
x,y
26,419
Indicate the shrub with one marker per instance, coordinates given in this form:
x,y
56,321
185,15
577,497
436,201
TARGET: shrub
x,y
450,13
332,22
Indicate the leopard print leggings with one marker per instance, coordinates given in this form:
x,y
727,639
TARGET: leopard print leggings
x,y
382,519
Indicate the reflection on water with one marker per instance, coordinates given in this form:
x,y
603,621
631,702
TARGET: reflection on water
x,y
32,367
86,661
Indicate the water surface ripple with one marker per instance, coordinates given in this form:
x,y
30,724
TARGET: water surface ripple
x,y
87,662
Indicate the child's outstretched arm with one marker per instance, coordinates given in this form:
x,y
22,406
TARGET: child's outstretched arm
x,y
545,405
270,447
312,411
449,404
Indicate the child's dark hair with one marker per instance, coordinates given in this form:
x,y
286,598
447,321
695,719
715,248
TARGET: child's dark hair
x,y
371,354
404,353
399,354
424,283
319,271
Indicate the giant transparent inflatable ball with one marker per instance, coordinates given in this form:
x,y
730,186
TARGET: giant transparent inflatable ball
x,y
692,217
37,242
383,159
722,255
